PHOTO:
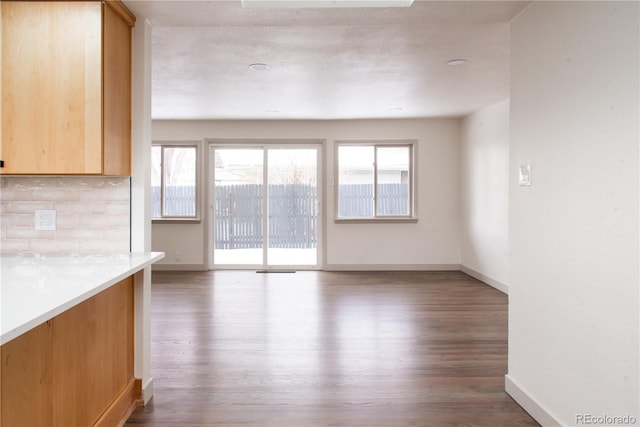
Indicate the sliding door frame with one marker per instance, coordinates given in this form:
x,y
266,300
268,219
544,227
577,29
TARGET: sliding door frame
x,y
264,144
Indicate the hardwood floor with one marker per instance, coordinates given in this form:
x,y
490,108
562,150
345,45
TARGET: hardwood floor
x,y
238,348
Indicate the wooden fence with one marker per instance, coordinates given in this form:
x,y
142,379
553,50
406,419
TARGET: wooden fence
x,y
292,210
179,201
356,200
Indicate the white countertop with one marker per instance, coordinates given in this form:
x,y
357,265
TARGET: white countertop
x,y
35,288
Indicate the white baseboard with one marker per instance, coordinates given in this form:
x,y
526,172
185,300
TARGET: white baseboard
x,y
391,267
530,404
178,267
331,267
366,267
147,391
502,287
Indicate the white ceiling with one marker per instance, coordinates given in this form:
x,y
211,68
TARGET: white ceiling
x,y
326,63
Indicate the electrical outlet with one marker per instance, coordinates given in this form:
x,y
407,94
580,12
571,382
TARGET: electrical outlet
x,y
524,175
46,220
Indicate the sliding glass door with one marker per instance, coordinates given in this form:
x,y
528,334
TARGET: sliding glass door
x,y
238,207
264,211
292,198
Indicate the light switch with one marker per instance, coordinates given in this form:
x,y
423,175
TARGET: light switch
x,y
46,220
524,176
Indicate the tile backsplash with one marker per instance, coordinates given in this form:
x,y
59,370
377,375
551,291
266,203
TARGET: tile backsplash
x,y
92,214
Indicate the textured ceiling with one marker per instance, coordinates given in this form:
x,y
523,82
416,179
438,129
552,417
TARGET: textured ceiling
x,y
326,63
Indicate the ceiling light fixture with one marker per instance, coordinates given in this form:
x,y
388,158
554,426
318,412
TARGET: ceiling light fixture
x,y
456,62
314,4
259,67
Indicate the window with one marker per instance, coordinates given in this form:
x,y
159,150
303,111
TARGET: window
x,y
375,181
174,178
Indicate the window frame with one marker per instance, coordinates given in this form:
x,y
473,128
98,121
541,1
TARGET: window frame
x,y
179,219
412,216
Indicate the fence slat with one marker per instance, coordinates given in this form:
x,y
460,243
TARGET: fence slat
x,y
292,210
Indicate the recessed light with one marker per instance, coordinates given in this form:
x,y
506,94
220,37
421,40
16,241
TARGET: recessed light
x,y
272,111
395,109
259,67
455,62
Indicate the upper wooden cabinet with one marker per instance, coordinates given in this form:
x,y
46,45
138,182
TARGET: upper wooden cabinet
x,y
66,87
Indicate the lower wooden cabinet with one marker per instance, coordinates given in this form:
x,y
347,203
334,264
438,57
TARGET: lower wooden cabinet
x,y
75,369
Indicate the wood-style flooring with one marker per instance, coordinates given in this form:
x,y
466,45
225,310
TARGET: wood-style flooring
x,y
239,348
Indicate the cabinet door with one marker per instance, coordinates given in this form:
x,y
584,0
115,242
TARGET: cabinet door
x,y
51,87
92,355
75,369
27,379
117,23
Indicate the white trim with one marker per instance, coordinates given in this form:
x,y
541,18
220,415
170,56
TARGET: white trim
x,y
141,195
328,267
179,267
391,267
199,205
502,287
413,180
265,145
147,391
350,267
541,414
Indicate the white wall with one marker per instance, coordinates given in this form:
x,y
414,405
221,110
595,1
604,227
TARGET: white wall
x,y
141,197
574,265
433,242
484,176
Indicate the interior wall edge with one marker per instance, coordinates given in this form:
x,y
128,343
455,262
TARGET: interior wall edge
x,y
147,391
502,287
530,404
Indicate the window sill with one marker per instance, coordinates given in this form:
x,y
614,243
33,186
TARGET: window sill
x,y
175,220
385,220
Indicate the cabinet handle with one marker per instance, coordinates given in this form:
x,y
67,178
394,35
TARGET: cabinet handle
x,y
1,163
